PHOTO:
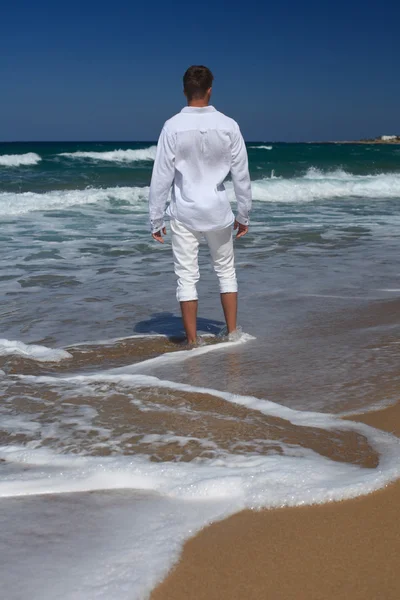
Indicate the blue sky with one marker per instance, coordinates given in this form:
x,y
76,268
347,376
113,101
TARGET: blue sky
x,y
290,71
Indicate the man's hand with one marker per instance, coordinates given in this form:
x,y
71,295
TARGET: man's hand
x,y
242,229
157,235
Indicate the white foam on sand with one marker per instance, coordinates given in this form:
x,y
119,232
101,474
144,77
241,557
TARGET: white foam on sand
x,y
119,156
18,160
180,497
94,547
298,476
181,355
32,351
133,542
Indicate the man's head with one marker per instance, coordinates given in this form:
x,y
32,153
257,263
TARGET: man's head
x,y
197,83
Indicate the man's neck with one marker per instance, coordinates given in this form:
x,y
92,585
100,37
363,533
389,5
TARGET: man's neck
x,y
199,103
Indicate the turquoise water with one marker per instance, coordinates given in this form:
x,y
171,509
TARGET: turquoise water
x,y
78,263
95,398
55,171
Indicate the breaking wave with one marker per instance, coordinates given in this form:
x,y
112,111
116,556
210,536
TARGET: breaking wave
x,y
319,185
261,147
119,156
18,160
314,185
18,204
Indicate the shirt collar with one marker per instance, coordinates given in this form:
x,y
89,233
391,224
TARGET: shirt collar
x,y
198,109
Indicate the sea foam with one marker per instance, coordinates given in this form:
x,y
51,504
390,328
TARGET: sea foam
x,y
314,185
188,495
119,156
182,355
261,147
32,351
18,160
297,476
26,202
320,185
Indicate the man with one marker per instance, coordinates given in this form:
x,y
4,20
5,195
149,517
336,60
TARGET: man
x,y
196,150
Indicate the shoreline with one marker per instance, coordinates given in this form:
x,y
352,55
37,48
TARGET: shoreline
x,y
338,550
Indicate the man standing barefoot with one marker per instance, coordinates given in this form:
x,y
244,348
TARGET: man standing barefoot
x,y
196,150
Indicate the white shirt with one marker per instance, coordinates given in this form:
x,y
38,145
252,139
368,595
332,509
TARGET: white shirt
x,y
196,150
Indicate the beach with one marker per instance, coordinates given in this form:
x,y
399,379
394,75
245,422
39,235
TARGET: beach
x,y
261,465
340,550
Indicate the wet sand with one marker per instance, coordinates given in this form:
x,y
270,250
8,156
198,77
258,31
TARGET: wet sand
x,y
341,550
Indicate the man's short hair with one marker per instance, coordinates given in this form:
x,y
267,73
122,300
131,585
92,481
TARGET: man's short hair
x,y
196,81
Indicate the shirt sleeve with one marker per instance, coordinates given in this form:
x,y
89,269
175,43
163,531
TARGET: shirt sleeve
x,y
240,176
162,179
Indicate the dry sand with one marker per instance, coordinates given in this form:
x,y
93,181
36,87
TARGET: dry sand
x,y
343,550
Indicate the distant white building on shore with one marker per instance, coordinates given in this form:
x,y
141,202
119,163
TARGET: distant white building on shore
x,y
387,138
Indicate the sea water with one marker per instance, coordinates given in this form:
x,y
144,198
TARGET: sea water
x,y
117,443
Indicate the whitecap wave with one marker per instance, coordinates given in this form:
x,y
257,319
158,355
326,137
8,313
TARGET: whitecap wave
x,y
261,147
319,185
32,351
119,156
22,203
18,160
314,185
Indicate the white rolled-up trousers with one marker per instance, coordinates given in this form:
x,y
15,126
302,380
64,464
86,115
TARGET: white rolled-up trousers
x,y
185,248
